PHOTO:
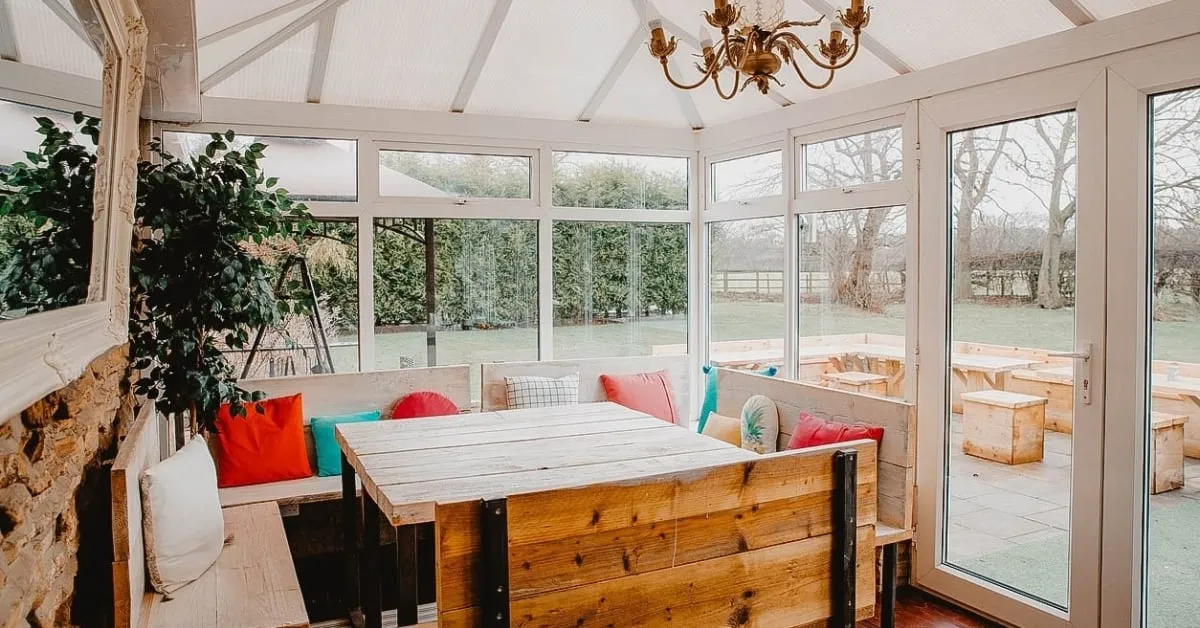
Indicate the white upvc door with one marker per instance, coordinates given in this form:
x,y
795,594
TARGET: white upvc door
x,y
1013,531
1153,152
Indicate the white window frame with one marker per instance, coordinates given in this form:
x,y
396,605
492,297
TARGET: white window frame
x,y
760,207
532,154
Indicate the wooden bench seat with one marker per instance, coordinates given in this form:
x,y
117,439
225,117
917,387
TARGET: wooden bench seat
x,y
1004,426
286,493
1166,451
252,585
1057,385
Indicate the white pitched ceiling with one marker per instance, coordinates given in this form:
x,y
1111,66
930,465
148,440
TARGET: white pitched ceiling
x,y
556,59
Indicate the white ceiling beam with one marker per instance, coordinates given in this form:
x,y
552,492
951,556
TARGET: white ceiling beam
x,y
1074,11
632,46
483,48
172,91
320,62
269,44
66,16
867,40
8,34
230,31
686,104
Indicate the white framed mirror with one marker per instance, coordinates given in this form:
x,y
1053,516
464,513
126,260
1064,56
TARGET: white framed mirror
x,y
49,344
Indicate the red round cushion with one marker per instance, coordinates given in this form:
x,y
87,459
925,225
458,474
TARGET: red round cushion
x,y
423,403
812,431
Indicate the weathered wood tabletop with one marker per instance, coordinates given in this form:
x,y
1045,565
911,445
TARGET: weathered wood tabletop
x,y
409,466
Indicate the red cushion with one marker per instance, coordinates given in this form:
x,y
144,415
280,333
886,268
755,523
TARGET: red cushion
x,y
262,446
811,431
423,403
645,392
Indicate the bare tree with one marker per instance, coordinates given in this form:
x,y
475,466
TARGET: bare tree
x,y
976,153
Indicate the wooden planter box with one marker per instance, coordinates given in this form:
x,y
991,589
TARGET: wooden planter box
x,y
857,382
1166,451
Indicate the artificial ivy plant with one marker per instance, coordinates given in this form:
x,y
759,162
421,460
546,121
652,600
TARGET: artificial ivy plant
x,y
46,221
196,287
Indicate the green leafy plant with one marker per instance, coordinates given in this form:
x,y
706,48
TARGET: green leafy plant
x,y
197,286
46,221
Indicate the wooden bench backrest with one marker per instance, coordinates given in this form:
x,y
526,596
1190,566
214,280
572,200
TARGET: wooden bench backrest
x,y
139,451
590,389
740,544
897,452
343,393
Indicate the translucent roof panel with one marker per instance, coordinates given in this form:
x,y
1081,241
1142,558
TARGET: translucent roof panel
x,y
281,74
215,15
404,55
215,55
642,96
45,41
1104,9
577,41
926,33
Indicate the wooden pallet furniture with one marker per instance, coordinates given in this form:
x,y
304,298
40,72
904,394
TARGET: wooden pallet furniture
x,y
1004,426
858,382
896,459
784,540
1166,451
342,393
253,583
1179,394
680,368
409,467
1057,385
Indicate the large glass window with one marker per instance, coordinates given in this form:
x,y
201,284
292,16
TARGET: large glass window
x,y
747,178
1173,434
620,289
455,292
1012,302
867,158
310,169
620,181
747,314
851,279
324,268
45,246
459,175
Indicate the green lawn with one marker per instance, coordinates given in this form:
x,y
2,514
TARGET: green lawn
x,y
1020,326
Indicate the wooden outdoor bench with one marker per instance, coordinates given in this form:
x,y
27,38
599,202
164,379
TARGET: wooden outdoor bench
x,y
896,461
1057,385
253,583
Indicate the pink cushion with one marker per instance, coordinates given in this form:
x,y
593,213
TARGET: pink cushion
x,y
423,403
645,392
811,431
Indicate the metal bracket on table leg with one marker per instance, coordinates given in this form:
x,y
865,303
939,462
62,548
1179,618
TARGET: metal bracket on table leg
x,y
887,611
493,581
845,537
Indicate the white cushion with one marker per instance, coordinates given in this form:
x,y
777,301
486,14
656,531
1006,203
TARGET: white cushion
x,y
531,391
760,425
183,525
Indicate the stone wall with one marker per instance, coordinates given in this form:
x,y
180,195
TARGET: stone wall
x,y
55,530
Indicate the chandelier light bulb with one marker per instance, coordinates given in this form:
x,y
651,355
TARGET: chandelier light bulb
x,y
706,40
653,17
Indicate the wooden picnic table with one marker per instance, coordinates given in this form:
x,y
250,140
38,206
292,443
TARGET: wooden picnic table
x,y
409,466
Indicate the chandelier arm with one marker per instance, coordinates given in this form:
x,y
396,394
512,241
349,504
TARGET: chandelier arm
x,y
810,84
672,81
737,78
832,66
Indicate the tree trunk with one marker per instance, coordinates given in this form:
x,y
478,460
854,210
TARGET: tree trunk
x,y
1049,288
856,286
964,289
430,294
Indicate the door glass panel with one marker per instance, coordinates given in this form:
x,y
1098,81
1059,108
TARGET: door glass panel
x,y
1011,302
1173,440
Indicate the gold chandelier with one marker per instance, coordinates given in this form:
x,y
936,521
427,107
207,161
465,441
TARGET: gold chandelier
x,y
757,47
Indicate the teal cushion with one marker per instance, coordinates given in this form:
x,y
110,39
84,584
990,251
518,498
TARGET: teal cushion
x,y
710,391
329,455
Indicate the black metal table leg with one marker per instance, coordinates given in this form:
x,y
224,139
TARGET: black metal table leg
x,y
887,611
406,575
350,540
372,608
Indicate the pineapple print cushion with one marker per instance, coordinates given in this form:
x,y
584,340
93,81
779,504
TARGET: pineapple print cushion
x,y
760,425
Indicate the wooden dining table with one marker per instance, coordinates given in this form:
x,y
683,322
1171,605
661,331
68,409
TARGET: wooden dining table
x,y
407,467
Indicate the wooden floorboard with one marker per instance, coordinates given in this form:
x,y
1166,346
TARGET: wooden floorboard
x,y
915,608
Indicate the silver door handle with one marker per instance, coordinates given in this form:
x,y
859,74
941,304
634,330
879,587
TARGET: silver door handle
x,y
1084,375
